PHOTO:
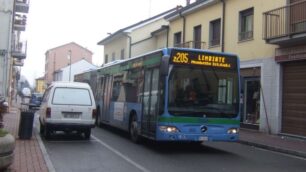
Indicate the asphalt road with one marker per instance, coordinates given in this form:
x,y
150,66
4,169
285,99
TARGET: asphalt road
x,y
110,150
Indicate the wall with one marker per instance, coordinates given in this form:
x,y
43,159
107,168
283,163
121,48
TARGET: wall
x,y
57,58
76,68
116,46
6,19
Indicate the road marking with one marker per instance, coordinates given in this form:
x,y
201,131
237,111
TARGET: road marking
x,y
120,154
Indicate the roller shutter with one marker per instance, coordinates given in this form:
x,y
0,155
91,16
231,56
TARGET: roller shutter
x,y
294,98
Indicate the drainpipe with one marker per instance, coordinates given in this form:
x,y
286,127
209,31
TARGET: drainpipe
x,y
167,41
184,25
223,22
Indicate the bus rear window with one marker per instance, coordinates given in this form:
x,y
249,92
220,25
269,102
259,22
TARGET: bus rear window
x,y
72,96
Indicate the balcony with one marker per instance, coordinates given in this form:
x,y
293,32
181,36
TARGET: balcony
x,y
20,22
285,25
19,50
18,62
191,44
22,6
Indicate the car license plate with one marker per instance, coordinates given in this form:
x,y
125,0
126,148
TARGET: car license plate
x,y
71,115
203,138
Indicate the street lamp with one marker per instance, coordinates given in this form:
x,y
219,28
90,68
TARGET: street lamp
x,y
69,58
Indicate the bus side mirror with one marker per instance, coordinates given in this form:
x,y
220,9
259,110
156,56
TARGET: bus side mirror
x,y
164,67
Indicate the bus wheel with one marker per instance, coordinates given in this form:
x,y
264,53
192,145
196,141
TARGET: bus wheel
x,y
134,129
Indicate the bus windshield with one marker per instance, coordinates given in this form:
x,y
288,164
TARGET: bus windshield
x,y
203,92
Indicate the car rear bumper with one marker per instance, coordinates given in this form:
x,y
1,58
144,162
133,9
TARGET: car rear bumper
x,y
68,127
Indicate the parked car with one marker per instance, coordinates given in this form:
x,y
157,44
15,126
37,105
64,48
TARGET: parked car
x,y
67,106
35,100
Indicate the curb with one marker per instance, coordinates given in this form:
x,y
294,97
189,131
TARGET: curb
x,y
42,147
273,148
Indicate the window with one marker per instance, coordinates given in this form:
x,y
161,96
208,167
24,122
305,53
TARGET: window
x,y
106,58
113,56
122,54
246,24
67,96
215,32
197,37
177,39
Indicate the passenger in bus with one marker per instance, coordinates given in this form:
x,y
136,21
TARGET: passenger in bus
x,y
190,94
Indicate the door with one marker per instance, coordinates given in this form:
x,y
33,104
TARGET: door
x,y
150,103
106,98
251,101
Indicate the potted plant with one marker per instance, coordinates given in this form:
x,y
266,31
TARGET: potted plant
x,y
7,141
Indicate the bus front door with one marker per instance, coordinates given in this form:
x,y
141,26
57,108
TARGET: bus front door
x,y
150,97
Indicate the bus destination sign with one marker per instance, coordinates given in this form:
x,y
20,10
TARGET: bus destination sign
x,y
203,59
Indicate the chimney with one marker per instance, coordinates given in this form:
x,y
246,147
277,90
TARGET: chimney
x,y
187,2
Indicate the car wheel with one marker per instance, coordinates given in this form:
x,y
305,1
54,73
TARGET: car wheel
x,y
134,134
47,132
41,128
87,134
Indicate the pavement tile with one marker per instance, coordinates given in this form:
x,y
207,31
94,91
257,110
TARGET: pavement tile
x,y
28,155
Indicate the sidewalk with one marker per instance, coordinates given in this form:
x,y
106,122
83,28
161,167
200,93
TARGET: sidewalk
x,y
283,144
29,154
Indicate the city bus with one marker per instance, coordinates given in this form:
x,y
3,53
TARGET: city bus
x,y
172,94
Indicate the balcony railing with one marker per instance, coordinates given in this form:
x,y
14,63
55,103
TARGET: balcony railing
x,y
22,6
192,44
20,22
285,21
19,50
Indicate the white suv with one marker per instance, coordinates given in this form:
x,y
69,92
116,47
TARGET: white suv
x,y
67,106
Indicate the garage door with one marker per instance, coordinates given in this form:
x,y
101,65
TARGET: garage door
x,y
294,98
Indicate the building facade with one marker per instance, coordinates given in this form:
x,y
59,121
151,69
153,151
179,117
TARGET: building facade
x,y
13,15
139,38
286,28
62,56
40,85
236,26
67,73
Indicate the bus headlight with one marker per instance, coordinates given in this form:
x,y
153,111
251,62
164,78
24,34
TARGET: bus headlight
x,y
168,129
233,131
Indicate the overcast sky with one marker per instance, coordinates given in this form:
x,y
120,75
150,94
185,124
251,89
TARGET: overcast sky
x,y
52,23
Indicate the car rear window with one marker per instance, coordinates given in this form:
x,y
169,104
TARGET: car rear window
x,y
71,96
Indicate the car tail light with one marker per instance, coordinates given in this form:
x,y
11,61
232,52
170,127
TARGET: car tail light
x,y
94,113
48,112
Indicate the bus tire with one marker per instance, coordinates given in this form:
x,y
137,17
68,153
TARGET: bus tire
x,y
133,129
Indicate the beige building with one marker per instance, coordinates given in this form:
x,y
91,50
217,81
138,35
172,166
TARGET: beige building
x,y
286,27
272,92
62,56
139,38
40,85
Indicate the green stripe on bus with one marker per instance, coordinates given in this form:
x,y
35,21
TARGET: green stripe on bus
x,y
197,120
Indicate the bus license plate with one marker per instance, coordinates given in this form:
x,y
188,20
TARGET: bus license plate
x,y
203,138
